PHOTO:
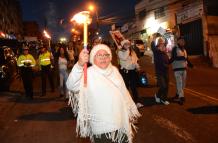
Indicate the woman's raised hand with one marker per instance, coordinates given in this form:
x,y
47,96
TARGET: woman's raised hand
x,y
83,57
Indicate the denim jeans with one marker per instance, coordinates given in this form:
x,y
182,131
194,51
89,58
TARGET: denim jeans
x,y
63,78
180,77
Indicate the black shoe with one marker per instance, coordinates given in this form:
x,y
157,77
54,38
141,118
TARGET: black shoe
x,y
176,97
181,100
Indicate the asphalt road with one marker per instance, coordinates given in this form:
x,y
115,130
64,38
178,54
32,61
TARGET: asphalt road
x,y
50,120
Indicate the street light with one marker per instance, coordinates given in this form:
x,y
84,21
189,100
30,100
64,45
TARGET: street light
x,y
91,7
73,30
83,18
63,40
48,37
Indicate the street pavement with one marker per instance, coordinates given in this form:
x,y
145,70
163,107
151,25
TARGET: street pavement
x,y
50,120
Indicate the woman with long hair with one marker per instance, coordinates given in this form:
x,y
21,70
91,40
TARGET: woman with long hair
x,y
128,61
63,61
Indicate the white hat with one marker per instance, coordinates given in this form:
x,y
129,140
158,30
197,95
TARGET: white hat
x,y
124,42
96,48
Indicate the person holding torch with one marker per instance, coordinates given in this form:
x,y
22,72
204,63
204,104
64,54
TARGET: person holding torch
x,y
105,110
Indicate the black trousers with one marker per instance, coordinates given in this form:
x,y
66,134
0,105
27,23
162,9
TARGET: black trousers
x,y
27,78
163,83
130,79
46,71
103,139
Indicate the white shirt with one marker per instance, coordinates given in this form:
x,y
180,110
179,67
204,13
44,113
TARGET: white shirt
x,y
62,63
128,61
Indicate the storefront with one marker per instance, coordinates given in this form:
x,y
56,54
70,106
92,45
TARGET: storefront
x,y
189,20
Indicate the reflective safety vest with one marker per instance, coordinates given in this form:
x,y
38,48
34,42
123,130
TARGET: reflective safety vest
x,y
45,58
26,61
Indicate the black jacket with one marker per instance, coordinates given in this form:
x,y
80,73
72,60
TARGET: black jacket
x,y
161,61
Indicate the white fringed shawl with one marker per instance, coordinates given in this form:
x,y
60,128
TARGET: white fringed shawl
x,y
104,106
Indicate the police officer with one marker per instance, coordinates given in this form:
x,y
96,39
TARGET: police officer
x,y
25,63
45,62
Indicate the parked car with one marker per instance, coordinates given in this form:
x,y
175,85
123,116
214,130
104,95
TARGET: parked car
x,y
8,67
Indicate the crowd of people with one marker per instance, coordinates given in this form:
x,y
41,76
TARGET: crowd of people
x,y
45,61
106,109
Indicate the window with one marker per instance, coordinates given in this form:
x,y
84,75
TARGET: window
x,y
160,12
142,14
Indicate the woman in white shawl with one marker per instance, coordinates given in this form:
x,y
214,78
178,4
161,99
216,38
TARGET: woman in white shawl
x,y
105,110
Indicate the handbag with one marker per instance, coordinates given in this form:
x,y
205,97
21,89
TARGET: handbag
x,y
142,80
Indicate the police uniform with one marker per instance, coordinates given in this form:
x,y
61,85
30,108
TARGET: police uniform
x,y
25,63
46,70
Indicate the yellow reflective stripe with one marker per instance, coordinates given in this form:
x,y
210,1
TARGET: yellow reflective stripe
x,y
28,61
42,60
20,65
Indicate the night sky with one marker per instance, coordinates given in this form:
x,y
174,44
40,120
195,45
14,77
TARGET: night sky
x,y
51,12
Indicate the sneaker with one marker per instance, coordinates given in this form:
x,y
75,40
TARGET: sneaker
x,y
176,97
181,100
165,102
139,105
156,99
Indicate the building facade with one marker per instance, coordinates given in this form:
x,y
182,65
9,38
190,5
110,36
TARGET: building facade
x,y
193,19
31,31
10,19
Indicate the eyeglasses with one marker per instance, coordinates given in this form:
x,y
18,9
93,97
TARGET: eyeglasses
x,y
102,56
161,43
